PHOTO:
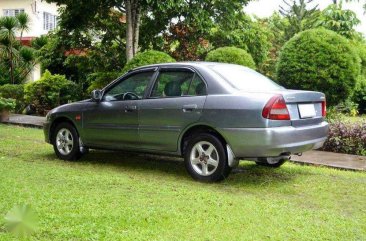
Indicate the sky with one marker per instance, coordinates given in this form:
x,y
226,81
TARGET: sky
x,y
265,8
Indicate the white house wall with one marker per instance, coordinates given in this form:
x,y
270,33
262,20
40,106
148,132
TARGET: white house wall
x,y
35,10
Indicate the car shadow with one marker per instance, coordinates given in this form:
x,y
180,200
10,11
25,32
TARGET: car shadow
x,y
248,172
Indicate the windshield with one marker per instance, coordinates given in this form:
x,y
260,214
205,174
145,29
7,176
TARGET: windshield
x,y
243,78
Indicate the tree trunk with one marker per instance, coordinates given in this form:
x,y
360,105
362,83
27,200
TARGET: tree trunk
x,y
133,18
129,30
334,1
11,64
136,31
21,36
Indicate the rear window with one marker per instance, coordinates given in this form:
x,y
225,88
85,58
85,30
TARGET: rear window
x,y
243,78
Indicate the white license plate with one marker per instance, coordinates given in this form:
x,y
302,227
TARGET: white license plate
x,y
307,110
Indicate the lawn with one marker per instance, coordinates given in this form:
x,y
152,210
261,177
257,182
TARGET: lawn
x,y
118,196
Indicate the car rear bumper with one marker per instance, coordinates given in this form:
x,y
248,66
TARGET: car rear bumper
x,y
272,142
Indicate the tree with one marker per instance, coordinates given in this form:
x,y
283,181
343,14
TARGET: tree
x,y
243,32
335,18
8,26
23,20
299,15
16,61
340,1
200,13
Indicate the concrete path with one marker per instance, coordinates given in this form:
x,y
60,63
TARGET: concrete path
x,y
27,120
331,159
321,158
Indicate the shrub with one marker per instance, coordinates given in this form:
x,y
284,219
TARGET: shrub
x,y
147,57
231,55
50,91
347,107
101,79
320,60
359,96
7,104
15,92
345,137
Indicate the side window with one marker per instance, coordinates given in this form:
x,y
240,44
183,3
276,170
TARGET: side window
x,y
197,87
178,83
132,88
172,84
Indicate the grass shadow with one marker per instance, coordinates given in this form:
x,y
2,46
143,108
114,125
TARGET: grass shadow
x,y
248,172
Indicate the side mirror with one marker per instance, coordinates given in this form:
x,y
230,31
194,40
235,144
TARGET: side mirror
x,y
96,95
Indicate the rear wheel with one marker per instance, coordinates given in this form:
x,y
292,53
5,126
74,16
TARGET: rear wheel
x,y
206,159
272,164
66,142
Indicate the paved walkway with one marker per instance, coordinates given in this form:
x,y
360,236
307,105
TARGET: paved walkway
x,y
27,120
331,159
321,158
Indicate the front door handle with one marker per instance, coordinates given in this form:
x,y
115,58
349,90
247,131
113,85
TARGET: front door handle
x,y
189,108
130,108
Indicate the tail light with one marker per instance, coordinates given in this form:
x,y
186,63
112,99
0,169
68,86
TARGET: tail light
x,y
324,108
276,109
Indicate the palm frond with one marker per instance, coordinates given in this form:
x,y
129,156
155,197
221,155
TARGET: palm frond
x,y
24,21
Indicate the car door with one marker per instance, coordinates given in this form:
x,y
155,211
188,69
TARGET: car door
x,y
113,121
175,102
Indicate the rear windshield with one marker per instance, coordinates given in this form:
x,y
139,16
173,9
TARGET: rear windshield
x,y
243,78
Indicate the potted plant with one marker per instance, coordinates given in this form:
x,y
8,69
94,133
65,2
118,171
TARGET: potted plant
x,y
6,105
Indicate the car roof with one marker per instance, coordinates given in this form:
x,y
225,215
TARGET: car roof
x,y
183,64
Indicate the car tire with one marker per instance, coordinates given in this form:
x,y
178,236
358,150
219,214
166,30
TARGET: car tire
x,y
66,142
205,158
273,165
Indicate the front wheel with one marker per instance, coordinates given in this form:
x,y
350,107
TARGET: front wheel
x,y
205,158
66,142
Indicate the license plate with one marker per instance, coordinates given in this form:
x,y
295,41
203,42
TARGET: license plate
x,y
307,111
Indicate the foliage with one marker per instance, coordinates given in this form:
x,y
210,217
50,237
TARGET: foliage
x,y
276,25
38,42
231,55
16,61
155,15
101,79
183,42
359,95
245,33
346,137
347,107
339,20
144,197
65,55
146,58
50,91
15,92
319,60
300,17
7,104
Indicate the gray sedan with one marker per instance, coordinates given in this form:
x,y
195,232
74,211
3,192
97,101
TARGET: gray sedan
x,y
211,114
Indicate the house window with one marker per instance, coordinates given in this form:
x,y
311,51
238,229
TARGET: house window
x,y
12,12
49,21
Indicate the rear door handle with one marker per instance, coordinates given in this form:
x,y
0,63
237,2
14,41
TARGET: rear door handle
x,y
189,108
130,108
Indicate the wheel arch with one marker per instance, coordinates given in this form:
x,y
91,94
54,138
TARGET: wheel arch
x,y
57,121
198,128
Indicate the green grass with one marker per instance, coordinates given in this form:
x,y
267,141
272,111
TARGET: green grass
x,y
118,196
